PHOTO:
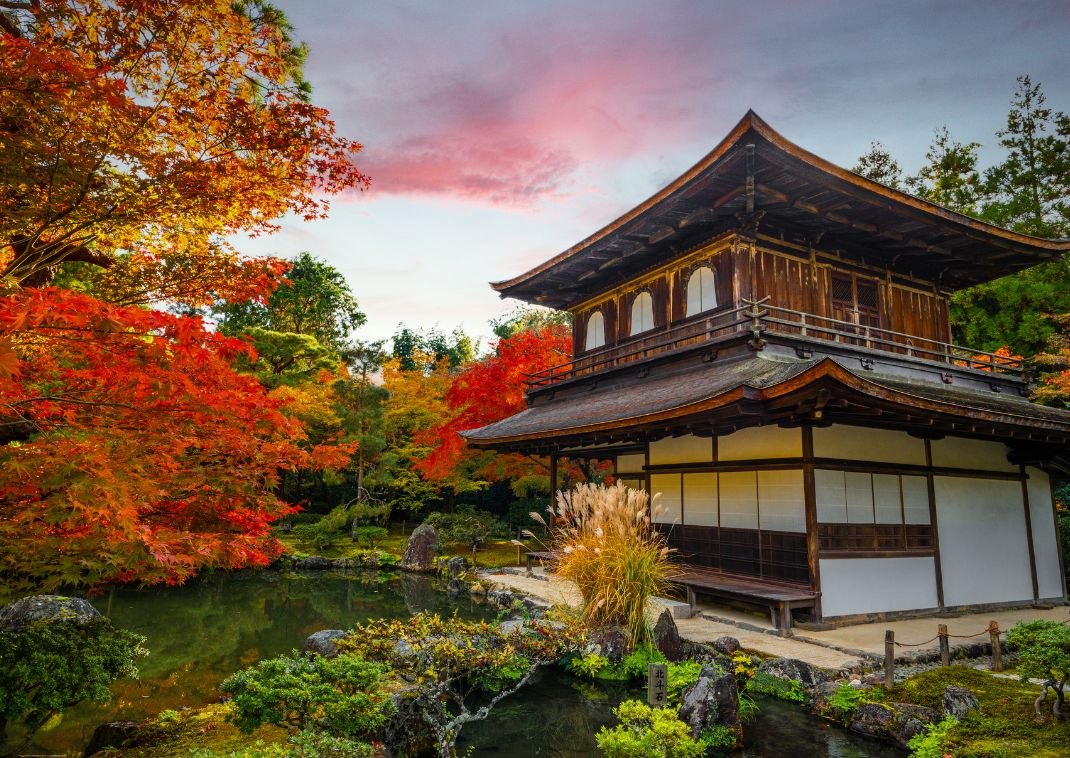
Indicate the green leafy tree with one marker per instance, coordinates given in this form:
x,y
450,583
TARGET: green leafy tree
x,y
879,165
411,345
314,299
361,405
528,317
49,667
288,358
950,176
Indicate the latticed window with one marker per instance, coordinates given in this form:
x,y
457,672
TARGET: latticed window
x,y
596,331
642,313
701,291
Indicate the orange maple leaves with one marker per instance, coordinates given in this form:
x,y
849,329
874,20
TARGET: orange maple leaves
x,y
490,389
139,453
154,128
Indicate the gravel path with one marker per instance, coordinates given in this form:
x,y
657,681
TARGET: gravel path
x,y
697,629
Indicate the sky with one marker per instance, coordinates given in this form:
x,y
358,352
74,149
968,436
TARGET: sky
x,y
498,133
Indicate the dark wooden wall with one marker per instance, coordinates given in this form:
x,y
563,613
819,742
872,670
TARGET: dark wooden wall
x,y
794,279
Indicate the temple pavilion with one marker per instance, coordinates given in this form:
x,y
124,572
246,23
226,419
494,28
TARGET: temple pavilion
x,y
765,344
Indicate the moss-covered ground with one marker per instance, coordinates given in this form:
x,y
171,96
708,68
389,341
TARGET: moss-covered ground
x,y
1004,726
493,554
201,732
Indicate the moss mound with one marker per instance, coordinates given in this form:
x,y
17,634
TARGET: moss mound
x,y
202,731
1005,725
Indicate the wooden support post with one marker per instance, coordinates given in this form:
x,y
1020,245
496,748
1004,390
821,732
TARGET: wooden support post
x,y
997,650
945,645
889,659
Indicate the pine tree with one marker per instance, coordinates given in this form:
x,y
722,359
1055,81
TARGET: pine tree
x,y
949,177
879,165
1030,189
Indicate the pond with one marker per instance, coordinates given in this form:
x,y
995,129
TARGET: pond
x,y
200,633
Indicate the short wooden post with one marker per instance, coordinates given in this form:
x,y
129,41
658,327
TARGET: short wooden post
x,y
889,659
518,560
997,651
945,646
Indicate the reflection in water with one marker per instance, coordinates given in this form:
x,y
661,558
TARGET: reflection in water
x,y
202,632
558,716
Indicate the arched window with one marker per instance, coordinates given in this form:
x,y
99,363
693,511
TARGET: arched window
x,y
642,313
701,291
596,331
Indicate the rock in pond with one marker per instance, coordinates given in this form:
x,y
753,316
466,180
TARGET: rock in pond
x,y
50,608
453,567
500,598
667,636
712,701
419,553
958,701
897,723
793,668
113,734
610,642
323,642
315,563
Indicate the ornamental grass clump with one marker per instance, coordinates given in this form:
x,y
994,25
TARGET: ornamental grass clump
x,y
608,547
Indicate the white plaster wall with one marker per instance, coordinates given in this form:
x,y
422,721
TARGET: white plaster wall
x,y
875,585
739,499
665,488
856,443
684,449
984,555
981,455
700,499
1045,540
631,464
759,443
781,501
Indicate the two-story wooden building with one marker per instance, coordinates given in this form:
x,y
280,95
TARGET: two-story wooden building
x,y
765,342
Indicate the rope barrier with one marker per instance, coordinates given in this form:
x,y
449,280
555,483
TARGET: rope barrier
x,y
955,636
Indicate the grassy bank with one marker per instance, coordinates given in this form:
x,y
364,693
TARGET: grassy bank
x,y
1005,724
493,554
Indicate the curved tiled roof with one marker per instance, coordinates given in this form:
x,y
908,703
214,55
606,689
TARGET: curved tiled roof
x,y
757,378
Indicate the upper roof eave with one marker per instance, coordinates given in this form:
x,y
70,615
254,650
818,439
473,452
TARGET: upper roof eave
x,y
752,125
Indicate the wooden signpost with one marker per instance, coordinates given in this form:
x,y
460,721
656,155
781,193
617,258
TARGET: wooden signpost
x,y
657,684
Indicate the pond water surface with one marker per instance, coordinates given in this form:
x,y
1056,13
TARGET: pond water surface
x,y
200,633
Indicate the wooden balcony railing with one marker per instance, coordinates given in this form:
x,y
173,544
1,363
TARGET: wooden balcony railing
x,y
760,318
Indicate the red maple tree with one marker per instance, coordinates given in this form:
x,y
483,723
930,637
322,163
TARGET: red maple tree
x,y
135,450
489,390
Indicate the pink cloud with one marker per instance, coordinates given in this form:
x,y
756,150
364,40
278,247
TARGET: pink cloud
x,y
515,122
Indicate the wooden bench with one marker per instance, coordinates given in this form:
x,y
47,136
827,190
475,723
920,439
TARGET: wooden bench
x,y
547,556
781,599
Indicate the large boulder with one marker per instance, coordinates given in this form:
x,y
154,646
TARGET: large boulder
x,y
610,642
712,700
419,553
112,735
897,723
45,608
793,668
323,642
726,645
958,701
667,636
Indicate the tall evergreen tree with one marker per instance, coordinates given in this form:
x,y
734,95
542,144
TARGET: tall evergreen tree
x,y
950,176
1030,189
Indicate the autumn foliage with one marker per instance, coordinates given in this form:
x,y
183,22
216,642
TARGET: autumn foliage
x,y
491,389
137,134
135,450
